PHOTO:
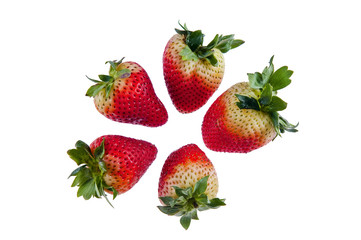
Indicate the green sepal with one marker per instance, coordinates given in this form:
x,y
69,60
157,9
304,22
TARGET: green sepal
x,y
89,176
267,83
247,102
188,201
195,50
185,220
187,54
266,95
276,105
281,78
106,82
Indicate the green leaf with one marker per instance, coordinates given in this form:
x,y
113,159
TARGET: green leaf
x,y
187,193
268,71
102,167
228,42
188,54
194,40
169,201
277,104
200,186
194,214
286,126
87,190
202,199
93,80
281,78
236,43
99,151
95,89
266,95
81,144
76,171
78,155
115,193
204,53
185,30
108,88
186,220
275,120
247,102
256,80
169,210
212,60
216,203
113,65
82,176
225,44
213,43
180,201
105,78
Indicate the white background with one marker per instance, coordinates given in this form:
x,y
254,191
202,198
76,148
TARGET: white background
x,y
301,186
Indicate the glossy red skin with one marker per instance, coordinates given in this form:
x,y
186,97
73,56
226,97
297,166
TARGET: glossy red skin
x,y
126,160
135,102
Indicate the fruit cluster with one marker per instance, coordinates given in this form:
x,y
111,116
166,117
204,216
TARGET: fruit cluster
x,y
242,119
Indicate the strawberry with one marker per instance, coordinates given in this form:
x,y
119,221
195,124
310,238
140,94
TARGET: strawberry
x,y
127,95
188,183
111,163
245,117
193,72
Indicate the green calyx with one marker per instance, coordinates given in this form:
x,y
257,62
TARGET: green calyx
x,y
188,201
195,50
106,82
268,83
89,175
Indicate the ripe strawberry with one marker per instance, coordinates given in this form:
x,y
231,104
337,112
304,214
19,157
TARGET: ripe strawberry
x,y
193,72
188,183
245,117
127,95
111,163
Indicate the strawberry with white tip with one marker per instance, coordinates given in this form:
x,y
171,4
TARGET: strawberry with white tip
x,y
245,117
188,183
193,72
126,95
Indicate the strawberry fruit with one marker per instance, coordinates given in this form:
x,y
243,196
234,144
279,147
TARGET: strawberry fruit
x,y
245,117
111,163
193,72
188,183
126,95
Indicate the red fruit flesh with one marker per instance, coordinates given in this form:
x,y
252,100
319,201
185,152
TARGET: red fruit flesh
x,y
126,160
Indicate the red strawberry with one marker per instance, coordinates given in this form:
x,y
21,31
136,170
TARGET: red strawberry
x,y
193,72
127,95
111,163
245,117
188,183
